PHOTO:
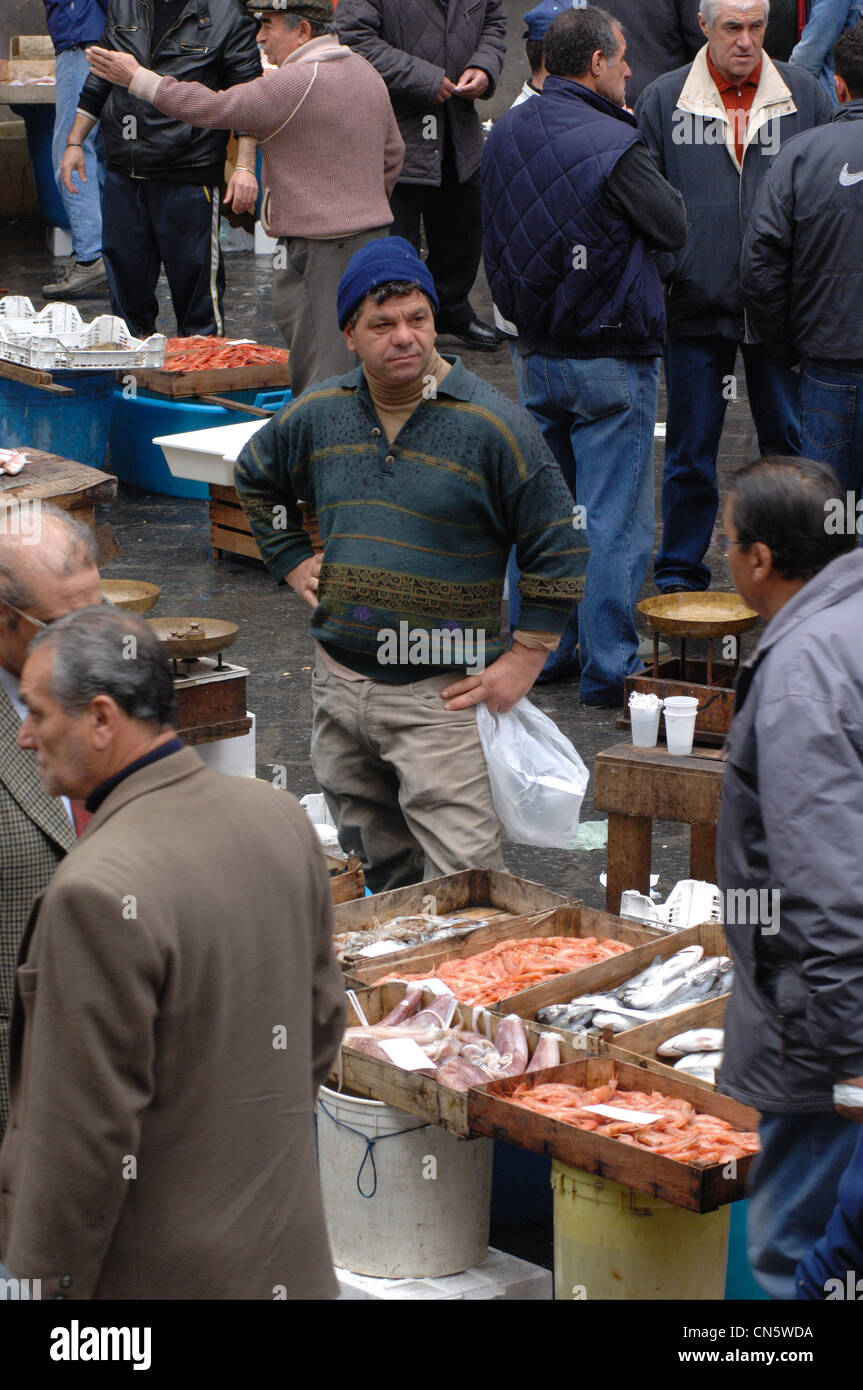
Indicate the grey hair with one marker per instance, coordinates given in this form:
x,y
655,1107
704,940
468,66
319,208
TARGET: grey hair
x,y
75,550
390,289
104,651
709,11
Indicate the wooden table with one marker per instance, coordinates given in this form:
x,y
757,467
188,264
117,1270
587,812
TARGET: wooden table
x,y
75,487
639,785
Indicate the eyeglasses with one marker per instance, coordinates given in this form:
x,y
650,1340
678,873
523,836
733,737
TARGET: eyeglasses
x,y
37,622
725,543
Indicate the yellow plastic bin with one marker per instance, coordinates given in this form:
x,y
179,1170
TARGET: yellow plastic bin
x,y
611,1242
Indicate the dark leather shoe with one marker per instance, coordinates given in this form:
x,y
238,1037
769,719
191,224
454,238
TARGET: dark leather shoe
x,y
475,334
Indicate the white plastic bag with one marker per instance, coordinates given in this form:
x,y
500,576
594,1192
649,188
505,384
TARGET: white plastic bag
x,y
537,779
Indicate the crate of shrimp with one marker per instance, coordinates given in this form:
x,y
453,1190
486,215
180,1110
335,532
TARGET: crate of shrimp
x,y
417,1048
665,981
373,934
656,1134
415,930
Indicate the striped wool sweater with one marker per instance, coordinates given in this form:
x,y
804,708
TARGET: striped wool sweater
x,y
415,531
330,144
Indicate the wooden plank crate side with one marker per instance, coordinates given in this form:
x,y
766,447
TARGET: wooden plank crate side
x,y
493,1114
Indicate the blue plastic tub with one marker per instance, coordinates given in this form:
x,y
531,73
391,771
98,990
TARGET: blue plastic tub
x,y
75,427
39,123
138,420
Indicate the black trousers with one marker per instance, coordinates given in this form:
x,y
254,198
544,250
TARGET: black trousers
x,y
452,217
150,223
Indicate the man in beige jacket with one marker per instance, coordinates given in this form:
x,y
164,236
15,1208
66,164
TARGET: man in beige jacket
x,y
178,1004
331,152
713,128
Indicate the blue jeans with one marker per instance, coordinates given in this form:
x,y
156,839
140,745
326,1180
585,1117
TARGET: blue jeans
x,y
597,417
831,416
84,208
699,373
814,49
563,661
793,1190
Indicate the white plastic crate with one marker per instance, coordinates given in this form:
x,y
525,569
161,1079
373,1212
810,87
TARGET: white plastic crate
x,y
500,1276
57,337
690,902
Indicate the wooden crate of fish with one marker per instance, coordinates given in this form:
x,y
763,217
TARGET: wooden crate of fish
x,y
408,920
420,1051
660,1135
683,968
689,1043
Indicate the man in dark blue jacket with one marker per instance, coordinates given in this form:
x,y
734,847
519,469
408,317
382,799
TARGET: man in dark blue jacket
x,y
73,24
572,204
713,127
803,270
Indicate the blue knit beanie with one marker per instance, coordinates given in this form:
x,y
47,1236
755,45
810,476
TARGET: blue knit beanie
x,y
388,258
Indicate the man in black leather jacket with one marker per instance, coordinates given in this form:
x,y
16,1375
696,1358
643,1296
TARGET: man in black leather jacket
x,y
161,200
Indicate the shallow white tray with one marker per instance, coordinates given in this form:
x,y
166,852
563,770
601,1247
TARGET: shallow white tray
x,y
207,456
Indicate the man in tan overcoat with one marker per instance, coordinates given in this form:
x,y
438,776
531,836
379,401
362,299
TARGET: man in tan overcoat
x,y
177,1004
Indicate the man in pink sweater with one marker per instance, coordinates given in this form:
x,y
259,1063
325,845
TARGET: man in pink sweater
x,y
331,152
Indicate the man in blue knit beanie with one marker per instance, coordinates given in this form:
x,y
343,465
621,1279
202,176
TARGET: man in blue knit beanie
x,y
422,477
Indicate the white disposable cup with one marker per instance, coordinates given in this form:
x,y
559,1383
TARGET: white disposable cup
x,y
645,726
680,730
682,703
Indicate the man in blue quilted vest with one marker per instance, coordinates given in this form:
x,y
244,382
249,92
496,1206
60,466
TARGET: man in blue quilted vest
x,y
573,206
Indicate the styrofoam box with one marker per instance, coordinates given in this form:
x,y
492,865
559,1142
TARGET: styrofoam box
x,y
499,1276
208,456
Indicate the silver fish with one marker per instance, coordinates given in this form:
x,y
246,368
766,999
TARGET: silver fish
x,y
695,1040
702,1064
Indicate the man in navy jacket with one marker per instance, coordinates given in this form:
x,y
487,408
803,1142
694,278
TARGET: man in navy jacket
x,y
572,205
713,128
72,25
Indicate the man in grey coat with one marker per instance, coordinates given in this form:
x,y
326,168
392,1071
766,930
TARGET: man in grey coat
x,y
789,862
437,57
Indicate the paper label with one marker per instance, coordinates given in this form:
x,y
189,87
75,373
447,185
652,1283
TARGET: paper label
x,y
617,1112
382,948
406,1053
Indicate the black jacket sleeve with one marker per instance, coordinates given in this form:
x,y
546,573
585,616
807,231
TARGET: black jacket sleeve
x,y
690,30
636,190
765,266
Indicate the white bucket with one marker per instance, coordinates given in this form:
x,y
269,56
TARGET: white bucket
x,y
429,1214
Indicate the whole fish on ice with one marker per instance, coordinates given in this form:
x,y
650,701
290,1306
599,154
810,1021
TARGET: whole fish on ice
x,y
696,1040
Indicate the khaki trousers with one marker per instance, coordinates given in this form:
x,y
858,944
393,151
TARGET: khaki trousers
x,y
306,275
405,780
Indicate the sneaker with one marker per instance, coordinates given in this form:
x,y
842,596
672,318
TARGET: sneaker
x,y
645,650
77,279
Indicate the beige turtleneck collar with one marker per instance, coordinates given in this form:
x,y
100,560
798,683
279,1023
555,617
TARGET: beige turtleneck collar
x,y
396,404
